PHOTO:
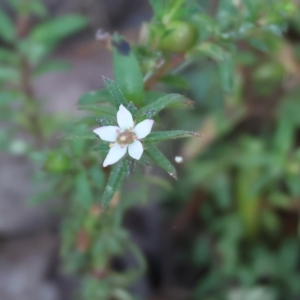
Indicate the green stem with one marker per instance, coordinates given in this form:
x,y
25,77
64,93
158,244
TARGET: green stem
x,y
30,101
151,81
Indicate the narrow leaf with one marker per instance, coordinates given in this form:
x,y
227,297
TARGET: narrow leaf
x,y
148,114
212,50
165,101
157,156
102,148
82,192
158,8
115,92
7,29
95,97
158,136
226,70
87,121
106,122
8,56
143,161
132,164
151,96
99,109
132,108
37,8
8,97
127,71
114,180
175,81
59,28
126,167
79,136
52,66
9,73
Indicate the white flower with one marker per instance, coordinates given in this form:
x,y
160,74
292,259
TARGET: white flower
x,y
124,137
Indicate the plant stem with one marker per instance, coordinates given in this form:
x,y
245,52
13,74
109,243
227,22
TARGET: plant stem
x,y
166,67
31,102
23,28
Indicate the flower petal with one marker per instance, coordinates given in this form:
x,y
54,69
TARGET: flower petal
x,y
143,129
107,133
135,149
124,118
114,154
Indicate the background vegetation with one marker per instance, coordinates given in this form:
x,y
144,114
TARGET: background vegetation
x,y
228,227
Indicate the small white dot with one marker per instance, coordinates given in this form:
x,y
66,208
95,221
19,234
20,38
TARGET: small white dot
x,y
178,159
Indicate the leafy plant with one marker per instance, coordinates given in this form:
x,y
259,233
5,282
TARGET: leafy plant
x,y
238,180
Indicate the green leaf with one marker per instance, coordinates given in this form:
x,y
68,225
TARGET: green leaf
x,y
79,136
58,28
252,9
258,44
7,28
7,56
148,114
7,97
165,101
143,161
9,73
87,121
226,70
151,96
207,24
132,108
98,176
115,92
28,7
106,122
158,136
175,81
157,156
37,8
35,51
212,51
102,148
100,110
95,97
127,71
82,193
114,181
127,165
52,66
285,134
158,8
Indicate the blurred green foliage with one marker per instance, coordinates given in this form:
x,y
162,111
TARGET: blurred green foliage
x,y
239,62
244,175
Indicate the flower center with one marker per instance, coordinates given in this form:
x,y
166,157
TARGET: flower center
x,y
126,137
